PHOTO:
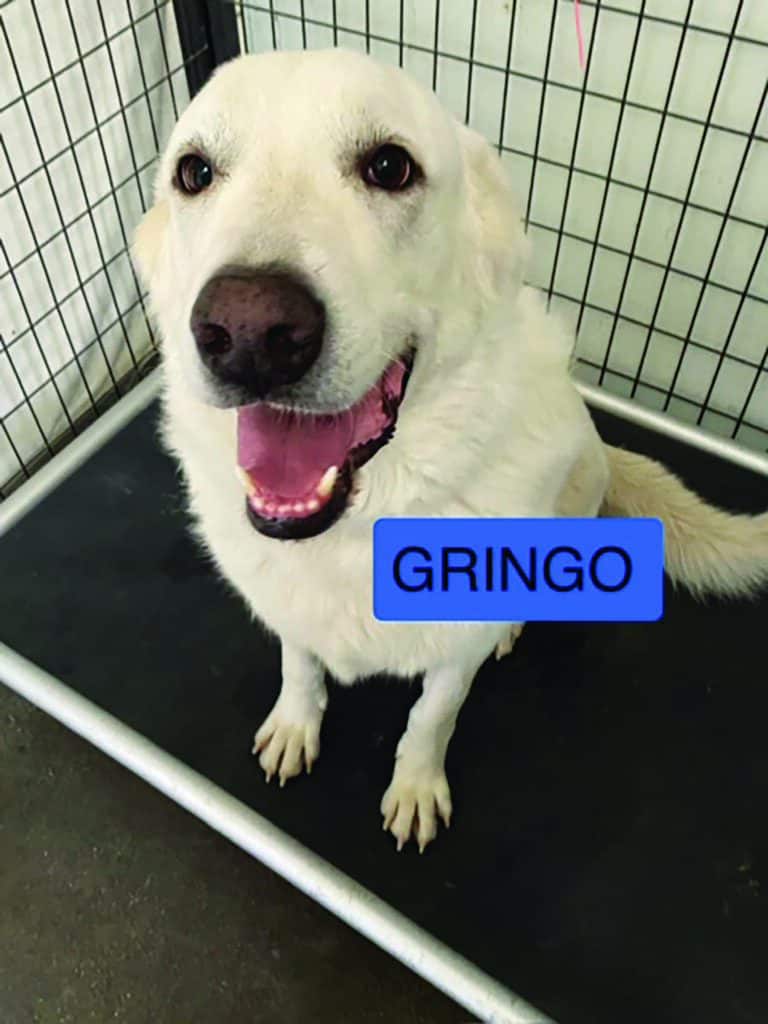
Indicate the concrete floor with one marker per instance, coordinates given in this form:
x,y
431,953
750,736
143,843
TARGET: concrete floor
x,y
115,904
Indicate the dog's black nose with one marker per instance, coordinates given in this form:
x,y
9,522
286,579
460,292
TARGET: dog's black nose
x,y
257,330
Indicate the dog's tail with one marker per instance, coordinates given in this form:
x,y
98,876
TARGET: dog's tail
x,y
707,550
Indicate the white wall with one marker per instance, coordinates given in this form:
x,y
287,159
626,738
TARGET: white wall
x,y
78,309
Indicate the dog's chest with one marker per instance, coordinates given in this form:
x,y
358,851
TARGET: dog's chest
x,y
318,595
315,595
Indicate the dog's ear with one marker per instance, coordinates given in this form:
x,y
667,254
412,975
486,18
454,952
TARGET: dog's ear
x,y
498,245
149,240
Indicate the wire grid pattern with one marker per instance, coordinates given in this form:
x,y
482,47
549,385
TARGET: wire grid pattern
x,y
642,178
642,182
90,90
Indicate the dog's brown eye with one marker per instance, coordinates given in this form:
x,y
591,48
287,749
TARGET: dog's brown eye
x,y
193,174
390,167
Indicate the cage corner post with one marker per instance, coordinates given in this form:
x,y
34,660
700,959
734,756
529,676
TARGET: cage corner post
x,y
208,37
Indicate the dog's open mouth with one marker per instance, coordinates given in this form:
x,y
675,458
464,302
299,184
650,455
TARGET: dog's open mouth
x,y
298,468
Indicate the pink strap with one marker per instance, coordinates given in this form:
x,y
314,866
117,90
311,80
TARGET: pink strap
x,y
579,33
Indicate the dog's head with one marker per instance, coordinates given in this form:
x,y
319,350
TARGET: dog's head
x,y
319,219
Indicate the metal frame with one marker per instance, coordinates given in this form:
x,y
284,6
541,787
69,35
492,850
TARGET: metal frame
x,y
213,31
437,963
208,32
664,424
352,903
207,28
77,452
355,905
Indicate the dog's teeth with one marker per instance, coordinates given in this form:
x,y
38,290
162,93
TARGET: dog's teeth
x,y
325,486
299,507
283,510
313,504
256,501
245,480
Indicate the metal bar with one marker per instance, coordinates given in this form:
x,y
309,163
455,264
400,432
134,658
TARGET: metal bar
x,y
77,452
208,29
356,906
663,424
435,56
692,403
507,76
540,120
574,149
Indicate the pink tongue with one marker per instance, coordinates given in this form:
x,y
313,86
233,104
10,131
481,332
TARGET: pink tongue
x,y
286,453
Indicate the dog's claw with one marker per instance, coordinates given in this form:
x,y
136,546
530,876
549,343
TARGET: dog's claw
x,y
285,747
412,805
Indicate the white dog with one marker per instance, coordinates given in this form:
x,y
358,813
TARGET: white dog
x,y
335,264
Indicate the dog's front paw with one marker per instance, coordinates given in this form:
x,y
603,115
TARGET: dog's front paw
x,y
288,741
412,803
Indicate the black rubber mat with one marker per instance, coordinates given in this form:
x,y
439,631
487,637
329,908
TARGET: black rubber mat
x,y
608,854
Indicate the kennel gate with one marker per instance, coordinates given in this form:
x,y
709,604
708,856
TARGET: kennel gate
x,y
642,183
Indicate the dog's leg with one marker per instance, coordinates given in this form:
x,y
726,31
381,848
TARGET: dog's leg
x,y
289,739
419,789
505,646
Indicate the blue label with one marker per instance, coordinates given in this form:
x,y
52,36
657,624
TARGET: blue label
x,y
518,570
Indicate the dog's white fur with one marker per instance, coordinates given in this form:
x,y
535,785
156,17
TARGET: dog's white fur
x,y
492,424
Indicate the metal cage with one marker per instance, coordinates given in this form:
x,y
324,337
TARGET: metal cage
x,y
641,176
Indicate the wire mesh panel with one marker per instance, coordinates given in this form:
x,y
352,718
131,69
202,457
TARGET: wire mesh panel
x,y
89,93
642,177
